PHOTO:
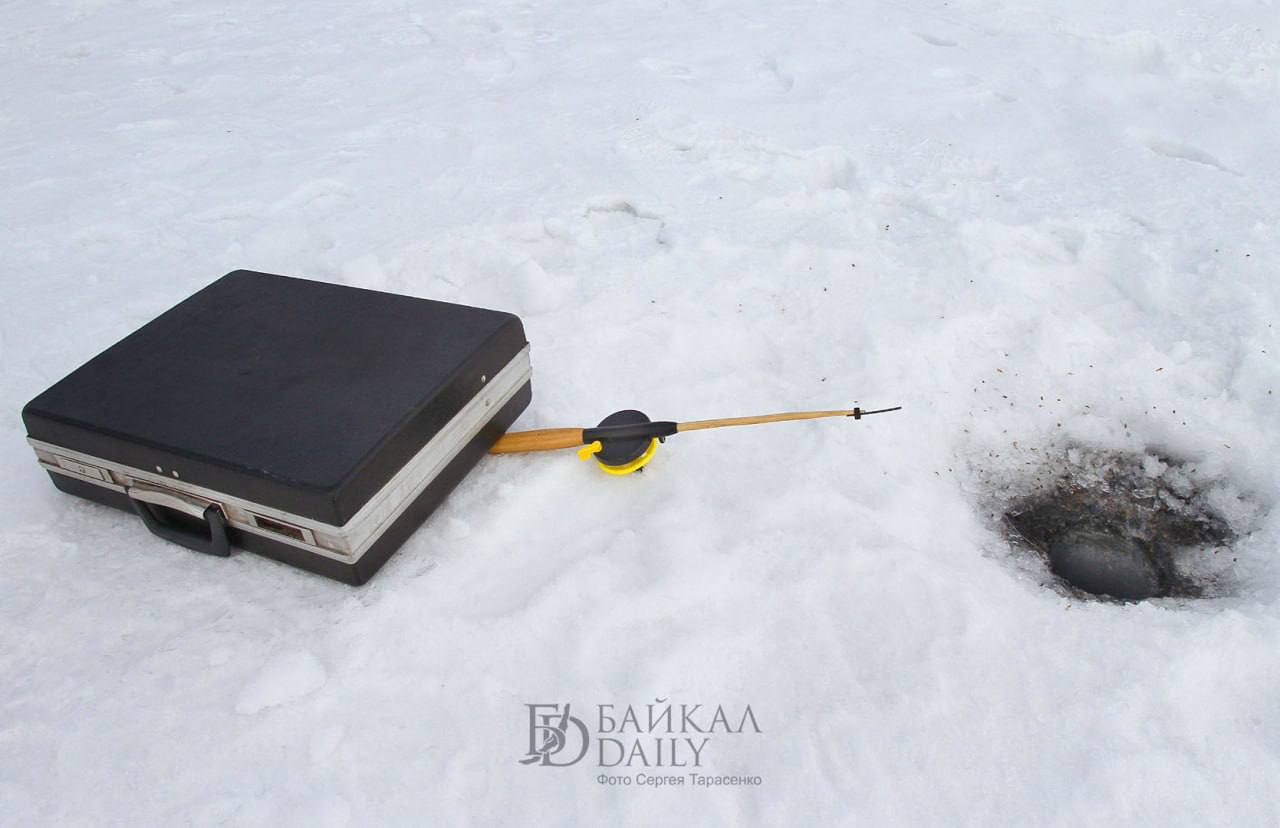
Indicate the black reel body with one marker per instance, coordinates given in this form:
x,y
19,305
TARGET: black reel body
x,y
619,449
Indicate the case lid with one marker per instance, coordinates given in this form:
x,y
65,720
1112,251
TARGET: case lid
x,y
300,395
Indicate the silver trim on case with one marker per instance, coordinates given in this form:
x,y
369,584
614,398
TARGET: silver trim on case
x,y
346,543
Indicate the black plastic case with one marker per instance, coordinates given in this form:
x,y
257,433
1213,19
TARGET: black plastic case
x,y
313,423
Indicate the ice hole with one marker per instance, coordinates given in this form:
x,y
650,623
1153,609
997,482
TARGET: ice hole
x,y
1123,526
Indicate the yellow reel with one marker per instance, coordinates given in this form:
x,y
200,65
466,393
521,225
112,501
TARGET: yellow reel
x,y
592,449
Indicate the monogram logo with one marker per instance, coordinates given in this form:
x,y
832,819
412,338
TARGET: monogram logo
x,y
552,732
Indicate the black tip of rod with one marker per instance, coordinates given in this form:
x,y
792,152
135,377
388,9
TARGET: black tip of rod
x,y
858,413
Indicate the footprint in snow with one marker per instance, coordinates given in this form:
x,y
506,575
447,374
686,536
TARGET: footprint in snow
x,y
623,222
618,204
284,678
934,40
1183,152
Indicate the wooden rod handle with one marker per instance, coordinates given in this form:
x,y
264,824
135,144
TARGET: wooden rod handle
x,y
695,425
541,439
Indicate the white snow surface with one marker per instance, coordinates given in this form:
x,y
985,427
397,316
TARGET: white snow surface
x,y
1032,225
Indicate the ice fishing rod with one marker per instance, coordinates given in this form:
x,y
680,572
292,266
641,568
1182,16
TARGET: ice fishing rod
x,y
625,441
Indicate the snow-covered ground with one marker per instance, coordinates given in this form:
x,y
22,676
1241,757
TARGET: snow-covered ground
x,y
1031,225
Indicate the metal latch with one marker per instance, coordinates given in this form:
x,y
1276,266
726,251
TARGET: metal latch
x,y
82,469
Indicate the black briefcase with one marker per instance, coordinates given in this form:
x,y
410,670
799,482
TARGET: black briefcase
x,y
313,423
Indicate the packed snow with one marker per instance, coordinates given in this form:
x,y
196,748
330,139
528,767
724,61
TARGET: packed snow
x,y
1036,227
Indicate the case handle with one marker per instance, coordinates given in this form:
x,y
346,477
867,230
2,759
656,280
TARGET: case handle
x,y
144,501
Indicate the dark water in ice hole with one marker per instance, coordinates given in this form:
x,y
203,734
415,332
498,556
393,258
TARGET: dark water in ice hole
x,y
1102,563
1118,540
